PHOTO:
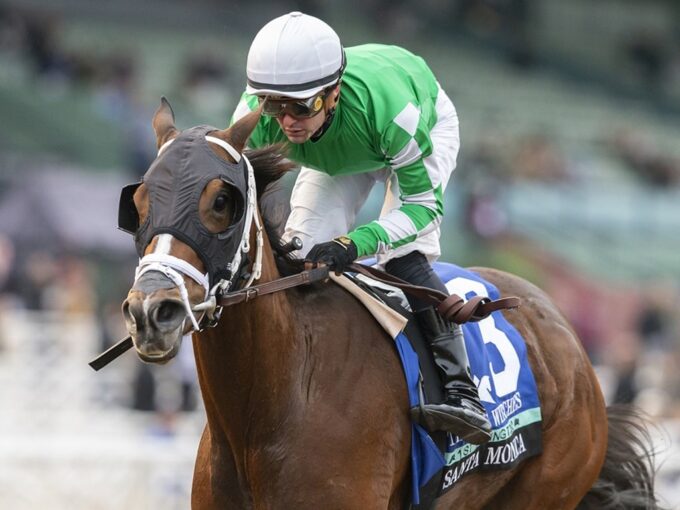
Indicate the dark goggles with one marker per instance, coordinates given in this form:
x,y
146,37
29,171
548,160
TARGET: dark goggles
x,y
274,107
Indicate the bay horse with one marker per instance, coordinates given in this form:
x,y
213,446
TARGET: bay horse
x,y
304,394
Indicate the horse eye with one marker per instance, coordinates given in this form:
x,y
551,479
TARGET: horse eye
x,y
221,203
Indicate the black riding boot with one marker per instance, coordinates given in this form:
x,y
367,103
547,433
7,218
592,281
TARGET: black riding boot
x,y
462,413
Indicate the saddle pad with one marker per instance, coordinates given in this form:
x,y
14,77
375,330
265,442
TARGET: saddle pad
x,y
506,387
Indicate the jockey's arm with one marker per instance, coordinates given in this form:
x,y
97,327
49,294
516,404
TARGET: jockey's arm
x,y
420,212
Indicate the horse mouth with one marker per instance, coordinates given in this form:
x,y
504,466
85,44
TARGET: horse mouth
x,y
160,358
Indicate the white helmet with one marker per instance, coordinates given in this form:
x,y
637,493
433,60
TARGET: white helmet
x,y
295,56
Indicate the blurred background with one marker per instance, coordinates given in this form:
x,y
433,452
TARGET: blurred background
x,y
568,175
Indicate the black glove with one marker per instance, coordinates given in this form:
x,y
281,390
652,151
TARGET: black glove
x,y
336,254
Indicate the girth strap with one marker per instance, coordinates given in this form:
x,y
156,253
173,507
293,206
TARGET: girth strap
x,y
451,307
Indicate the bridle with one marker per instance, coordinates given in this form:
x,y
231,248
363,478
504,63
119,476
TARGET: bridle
x,y
175,268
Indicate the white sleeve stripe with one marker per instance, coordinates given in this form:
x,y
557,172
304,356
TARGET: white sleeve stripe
x,y
445,139
431,226
398,225
426,199
435,169
382,247
410,153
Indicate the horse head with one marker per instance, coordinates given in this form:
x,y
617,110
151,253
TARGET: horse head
x,y
191,218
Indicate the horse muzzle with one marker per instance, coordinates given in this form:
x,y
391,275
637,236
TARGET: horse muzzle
x,y
156,324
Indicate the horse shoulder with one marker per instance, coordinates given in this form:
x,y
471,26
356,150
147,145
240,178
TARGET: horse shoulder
x,y
344,336
353,393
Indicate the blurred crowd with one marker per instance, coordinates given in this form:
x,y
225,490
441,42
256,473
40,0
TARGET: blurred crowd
x,y
112,79
645,160
71,286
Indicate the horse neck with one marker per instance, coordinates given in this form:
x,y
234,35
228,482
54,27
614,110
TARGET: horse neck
x,y
245,364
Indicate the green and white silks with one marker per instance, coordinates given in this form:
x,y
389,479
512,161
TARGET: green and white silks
x,y
393,124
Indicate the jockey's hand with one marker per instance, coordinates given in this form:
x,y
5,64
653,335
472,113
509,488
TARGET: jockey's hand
x,y
336,254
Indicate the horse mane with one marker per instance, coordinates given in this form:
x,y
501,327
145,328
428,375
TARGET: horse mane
x,y
270,163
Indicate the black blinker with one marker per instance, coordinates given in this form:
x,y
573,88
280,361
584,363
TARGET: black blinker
x,y
128,217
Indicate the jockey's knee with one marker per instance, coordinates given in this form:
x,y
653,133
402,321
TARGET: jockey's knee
x,y
412,266
415,269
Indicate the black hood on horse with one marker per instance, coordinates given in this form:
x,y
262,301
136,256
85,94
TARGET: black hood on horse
x,y
175,181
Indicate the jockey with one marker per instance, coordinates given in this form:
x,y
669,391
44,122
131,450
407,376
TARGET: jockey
x,y
353,117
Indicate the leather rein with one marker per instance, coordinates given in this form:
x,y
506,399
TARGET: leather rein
x,y
452,307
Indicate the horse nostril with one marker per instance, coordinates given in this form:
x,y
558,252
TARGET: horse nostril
x,y
165,312
126,312
133,314
168,314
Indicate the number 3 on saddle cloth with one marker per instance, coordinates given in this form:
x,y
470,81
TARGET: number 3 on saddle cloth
x,y
506,387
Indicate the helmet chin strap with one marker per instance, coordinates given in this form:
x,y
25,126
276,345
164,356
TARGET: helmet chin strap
x,y
330,113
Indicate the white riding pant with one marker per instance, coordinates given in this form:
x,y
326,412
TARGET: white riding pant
x,y
324,207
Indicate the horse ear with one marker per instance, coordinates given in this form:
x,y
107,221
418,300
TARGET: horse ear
x,y
237,135
164,123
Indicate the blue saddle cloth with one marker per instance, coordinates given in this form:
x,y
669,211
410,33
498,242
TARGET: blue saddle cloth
x,y
506,387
